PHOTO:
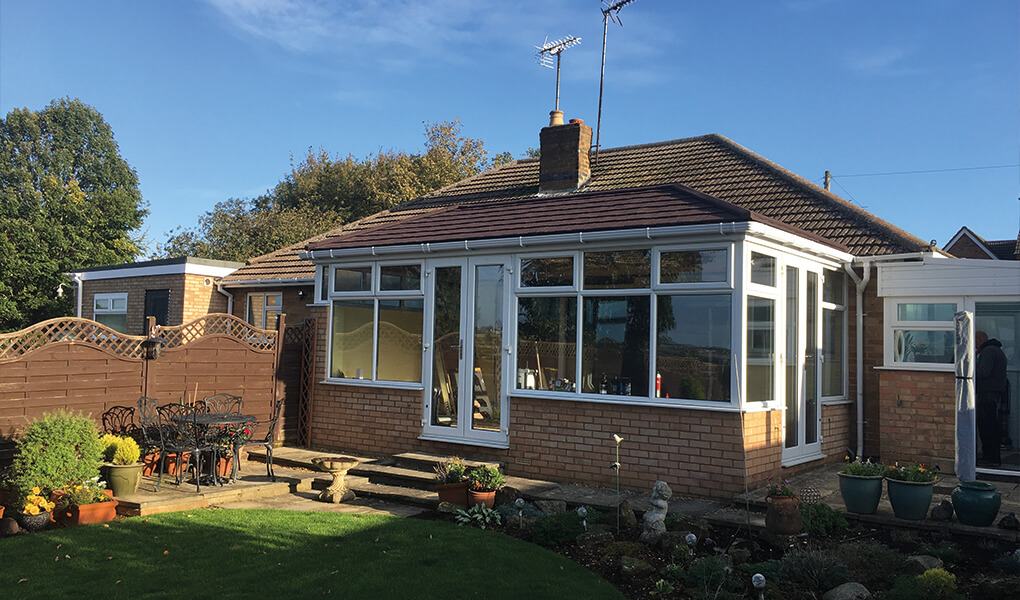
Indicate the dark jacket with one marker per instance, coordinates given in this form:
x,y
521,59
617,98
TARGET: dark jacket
x,y
990,374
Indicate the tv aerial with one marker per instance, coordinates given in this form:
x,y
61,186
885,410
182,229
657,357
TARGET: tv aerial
x,y
547,50
610,12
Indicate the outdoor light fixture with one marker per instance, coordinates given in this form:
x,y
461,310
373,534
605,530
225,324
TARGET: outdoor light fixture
x,y
758,581
582,513
519,503
152,348
616,467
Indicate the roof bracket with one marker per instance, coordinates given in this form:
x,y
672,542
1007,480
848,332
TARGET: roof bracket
x,y
648,232
580,236
373,250
520,240
466,245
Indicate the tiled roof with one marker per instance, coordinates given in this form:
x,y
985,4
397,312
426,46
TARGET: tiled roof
x,y
1005,249
632,208
711,164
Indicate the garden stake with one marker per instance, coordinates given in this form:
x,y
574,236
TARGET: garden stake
x,y
758,581
582,512
519,503
616,467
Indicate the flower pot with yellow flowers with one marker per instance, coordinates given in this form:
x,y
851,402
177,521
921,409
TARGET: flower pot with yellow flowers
x,y
34,512
122,469
910,490
84,503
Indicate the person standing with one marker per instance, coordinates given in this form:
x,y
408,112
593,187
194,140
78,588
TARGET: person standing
x,y
990,388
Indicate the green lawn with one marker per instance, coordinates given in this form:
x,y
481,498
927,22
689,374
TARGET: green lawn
x,y
280,554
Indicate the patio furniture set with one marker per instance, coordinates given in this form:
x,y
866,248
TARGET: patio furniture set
x,y
211,428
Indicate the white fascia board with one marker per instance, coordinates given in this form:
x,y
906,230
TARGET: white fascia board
x,y
793,241
649,233
266,283
178,269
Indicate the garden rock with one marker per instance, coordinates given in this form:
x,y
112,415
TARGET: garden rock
x,y
448,508
634,568
942,512
655,518
919,563
616,549
595,539
1009,522
848,591
551,507
507,495
627,516
8,527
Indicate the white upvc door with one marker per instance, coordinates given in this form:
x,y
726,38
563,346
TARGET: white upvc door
x,y
802,363
465,385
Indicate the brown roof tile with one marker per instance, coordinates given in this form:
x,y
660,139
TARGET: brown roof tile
x,y
712,165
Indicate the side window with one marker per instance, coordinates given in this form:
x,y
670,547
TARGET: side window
x,y
111,310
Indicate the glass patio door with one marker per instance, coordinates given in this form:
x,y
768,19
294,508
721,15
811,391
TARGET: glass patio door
x,y
801,365
465,399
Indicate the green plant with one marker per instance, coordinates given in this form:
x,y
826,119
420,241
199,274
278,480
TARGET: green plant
x,y
662,587
677,521
915,473
508,511
710,577
1008,563
120,450
484,478
812,570
479,516
56,449
88,492
861,557
673,572
557,530
779,489
450,471
945,551
937,584
821,519
862,469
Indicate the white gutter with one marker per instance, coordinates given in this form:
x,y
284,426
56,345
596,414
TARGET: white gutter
x,y
619,235
230,297
862,283
76,278
269,282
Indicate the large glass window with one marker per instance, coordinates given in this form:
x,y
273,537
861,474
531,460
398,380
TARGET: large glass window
x,y
923,333
399,349
833,333
763,269
547,343
761,353
377,336
353,322
111,310
263,309
615,341
693,347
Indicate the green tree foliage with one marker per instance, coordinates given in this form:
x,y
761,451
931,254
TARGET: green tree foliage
x,y
67,201
324,192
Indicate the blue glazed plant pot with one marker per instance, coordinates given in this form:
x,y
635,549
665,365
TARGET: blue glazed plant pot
x,y
910,499
976,503
861,494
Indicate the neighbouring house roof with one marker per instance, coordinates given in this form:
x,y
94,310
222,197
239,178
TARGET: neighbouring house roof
x,y
967,244
711,165
166,266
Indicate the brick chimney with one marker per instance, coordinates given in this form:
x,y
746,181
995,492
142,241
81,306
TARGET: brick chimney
x,y
564,159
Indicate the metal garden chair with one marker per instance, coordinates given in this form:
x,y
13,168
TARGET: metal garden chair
x,y
222,404
267,441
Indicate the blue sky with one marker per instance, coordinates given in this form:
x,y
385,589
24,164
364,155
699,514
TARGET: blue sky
x,y
211,99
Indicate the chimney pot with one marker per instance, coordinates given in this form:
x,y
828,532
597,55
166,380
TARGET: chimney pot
x,y
577,121
555,118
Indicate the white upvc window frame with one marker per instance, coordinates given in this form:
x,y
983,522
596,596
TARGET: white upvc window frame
x,y
892,324
111,298
375,294
277,310
842,310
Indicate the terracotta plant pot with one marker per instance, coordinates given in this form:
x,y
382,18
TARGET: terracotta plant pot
x,y
171,462
783,515
225,466
486,498
98,512
150,462
454,493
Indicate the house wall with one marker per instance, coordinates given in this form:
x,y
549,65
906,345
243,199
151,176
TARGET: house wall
x,y
965,247
919,417
190,297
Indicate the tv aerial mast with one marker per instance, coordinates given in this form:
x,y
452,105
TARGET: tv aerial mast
x,y
611,11
555,48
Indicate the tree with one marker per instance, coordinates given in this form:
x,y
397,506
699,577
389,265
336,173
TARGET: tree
x,y
323,192
67,201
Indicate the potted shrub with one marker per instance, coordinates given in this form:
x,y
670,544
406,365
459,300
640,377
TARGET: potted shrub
x,y
53,450
860,484
484,481
782,516
82,503
451,481
910,490
122,469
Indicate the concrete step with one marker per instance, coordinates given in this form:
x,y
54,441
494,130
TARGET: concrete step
x,y
424,461
395,476
365,489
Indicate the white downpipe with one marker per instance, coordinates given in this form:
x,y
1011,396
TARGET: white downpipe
x,y
861,283
230,297
76,278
